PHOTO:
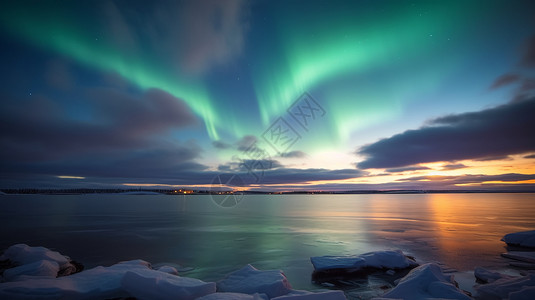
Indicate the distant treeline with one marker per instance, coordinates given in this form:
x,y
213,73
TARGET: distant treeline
x,y
207,192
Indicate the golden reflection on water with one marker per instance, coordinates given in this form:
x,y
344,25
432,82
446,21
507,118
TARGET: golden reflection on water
x,y
467,225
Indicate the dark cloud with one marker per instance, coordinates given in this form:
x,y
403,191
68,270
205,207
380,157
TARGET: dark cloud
x,y
294,154
128,136
246,142
489,158
289,175
194,35
220,145
405,169
499,131
528,59
479,178
523,80
504,80
453,167
530,156
245,165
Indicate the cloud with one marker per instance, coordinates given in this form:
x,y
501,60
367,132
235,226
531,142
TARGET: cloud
x,y
194,36
453,167
405,169
504,80
528,59
290,175
246,142
530,156
489,158
220,145
246,165
212,33
128,135
293,154
499,131
524,81
58,75
478,178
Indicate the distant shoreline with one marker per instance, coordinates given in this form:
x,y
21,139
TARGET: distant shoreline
x,y
208,192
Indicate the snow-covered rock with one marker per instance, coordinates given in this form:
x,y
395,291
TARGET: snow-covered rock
x,y
306,295
523,238
41,268
390,259
104,282
508,288
249,280
152,284
426,282
233,296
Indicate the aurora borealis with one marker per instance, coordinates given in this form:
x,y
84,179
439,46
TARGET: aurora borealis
x,y
170,93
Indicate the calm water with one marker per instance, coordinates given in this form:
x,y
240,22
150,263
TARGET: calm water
x,y
461,231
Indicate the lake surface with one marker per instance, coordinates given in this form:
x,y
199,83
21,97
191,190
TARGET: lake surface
x,y
461,231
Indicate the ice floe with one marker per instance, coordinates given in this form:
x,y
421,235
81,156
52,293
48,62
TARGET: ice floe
x,y
426,282
126,279
520,287
523,238
485,276
389,259
249,280
306,295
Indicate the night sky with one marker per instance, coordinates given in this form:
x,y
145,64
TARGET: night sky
x,y
285,95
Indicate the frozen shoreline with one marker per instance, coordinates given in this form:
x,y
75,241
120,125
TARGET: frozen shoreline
x,y
39,273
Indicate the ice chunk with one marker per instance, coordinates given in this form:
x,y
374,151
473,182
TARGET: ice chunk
x,y
526,293
23,254
233,296
152,284
486,276
523,238
249,280
99,283
168,270
390,259
506,287
41,268
521,255
305,295
424,282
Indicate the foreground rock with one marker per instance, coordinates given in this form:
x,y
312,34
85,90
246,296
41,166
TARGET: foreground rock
x,y
362,264
523,239
426,282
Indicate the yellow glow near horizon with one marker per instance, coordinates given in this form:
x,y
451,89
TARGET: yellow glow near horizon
x,y
70,177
